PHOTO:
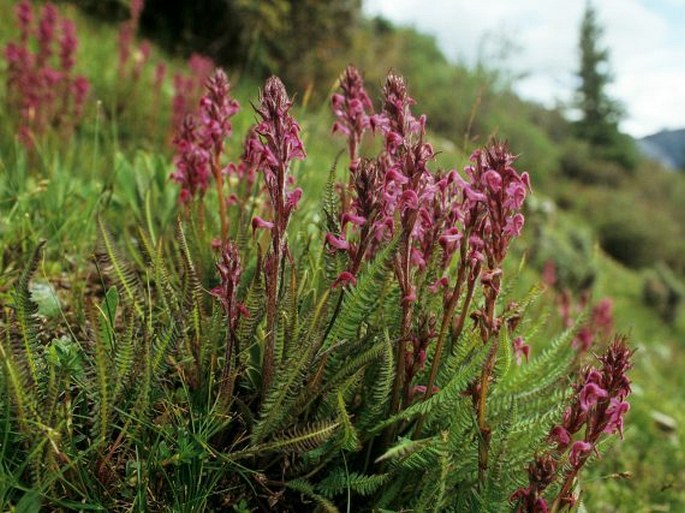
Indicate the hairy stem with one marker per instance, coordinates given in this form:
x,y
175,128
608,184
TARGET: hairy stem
x,y
223,216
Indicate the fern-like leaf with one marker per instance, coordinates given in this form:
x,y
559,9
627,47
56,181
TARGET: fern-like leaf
x,y
450,391
25,315
306,489
339,481
363,299
111,262
299,439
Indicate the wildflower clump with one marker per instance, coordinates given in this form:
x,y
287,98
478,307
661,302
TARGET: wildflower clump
x,y
41,84
200,145
598,407
382,360
271,151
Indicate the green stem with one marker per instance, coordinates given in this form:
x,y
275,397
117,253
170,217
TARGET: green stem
x,y
481,404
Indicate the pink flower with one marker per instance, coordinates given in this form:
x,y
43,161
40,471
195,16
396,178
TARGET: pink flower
x,y
616,410
561,436
410,297
521,350
578,450
344,279
258,222
395,176
421,390
590,394
409,199
441,283
473,196
352,218
337,242
516,195
583,339
514,225
292,198
450,236
493,180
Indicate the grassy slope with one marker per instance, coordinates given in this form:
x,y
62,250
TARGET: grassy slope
x,y
54,197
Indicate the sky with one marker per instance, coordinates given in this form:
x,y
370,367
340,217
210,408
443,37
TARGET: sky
x,y
646,41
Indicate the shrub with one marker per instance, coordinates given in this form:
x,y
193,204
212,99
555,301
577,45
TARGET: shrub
x,y
579,163
381,365
663,292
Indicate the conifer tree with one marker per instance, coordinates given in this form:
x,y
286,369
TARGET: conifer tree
x,y
600,113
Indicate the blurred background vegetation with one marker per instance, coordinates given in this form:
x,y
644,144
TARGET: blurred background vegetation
x,y
608,218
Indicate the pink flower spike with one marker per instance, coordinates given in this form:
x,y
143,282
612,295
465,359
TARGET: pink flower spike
x,y
578,450
337,242
344,279
258,222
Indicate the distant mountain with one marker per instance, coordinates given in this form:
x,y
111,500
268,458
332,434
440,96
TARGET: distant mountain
x,y
667,147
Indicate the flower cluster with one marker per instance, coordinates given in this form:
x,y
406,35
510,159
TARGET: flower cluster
x,y
127,32
541,473
41,84
273,151
189,88
597,327
494,197
597,409
200,140
352,107
230,270
435,215
599,404
398,180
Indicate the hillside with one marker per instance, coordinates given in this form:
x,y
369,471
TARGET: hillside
x,y
666,147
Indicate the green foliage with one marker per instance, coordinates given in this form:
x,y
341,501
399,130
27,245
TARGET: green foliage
x,y
663,292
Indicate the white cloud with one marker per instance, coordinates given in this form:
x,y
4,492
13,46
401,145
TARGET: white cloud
x,y
645,39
